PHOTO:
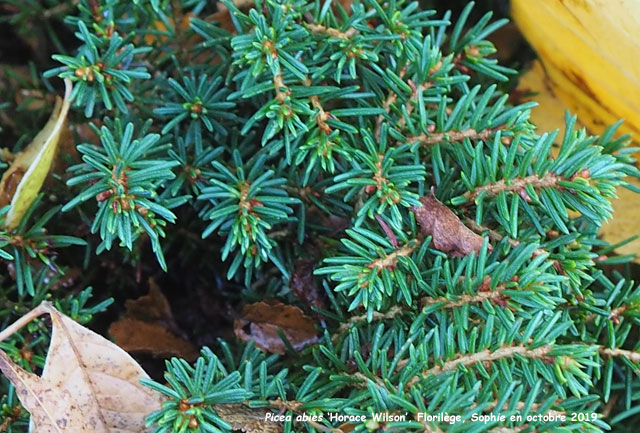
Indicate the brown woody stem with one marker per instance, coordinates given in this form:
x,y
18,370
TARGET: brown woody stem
x,y
335,33
465,299
322,116
497,237
629,354
516,185
453,136
484,356
390,260
393,312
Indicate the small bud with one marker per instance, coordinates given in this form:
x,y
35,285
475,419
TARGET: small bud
x,y
584,174
411,84
431,129
435,68
193,423
473,51
104,195
525,196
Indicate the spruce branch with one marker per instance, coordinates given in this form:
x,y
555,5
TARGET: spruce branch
x,y
496,295
486,355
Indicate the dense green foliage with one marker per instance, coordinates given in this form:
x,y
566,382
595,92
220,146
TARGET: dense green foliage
x,y
309,133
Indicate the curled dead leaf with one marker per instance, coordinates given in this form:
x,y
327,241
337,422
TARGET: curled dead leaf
x,y
448,233
88,384
149,327
260,323
22,181
305,287
135,335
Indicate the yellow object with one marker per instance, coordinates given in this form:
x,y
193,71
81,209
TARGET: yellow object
x,y
591,53
24,178
536,86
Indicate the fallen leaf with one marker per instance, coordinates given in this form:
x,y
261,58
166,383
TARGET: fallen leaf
x,y
247,419
304,286
88,384
447,231
260,323
51,410
346,427
536,86
590,52
22,181
134,335
159,27
149,327
152,306
549,115
623,224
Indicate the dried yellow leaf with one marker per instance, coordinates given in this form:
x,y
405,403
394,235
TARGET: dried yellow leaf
x,y
22,181
536,86
590,51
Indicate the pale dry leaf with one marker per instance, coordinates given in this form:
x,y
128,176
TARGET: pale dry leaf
x,y
102,379
549,115
22,181
51,409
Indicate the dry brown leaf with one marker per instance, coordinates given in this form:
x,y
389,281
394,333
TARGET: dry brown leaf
x,y
149,327
153,306
88,383
158,25
447,231
134,335
260,323
247,419
304,286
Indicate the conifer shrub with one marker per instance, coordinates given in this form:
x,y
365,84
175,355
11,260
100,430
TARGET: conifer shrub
x,y
362,161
